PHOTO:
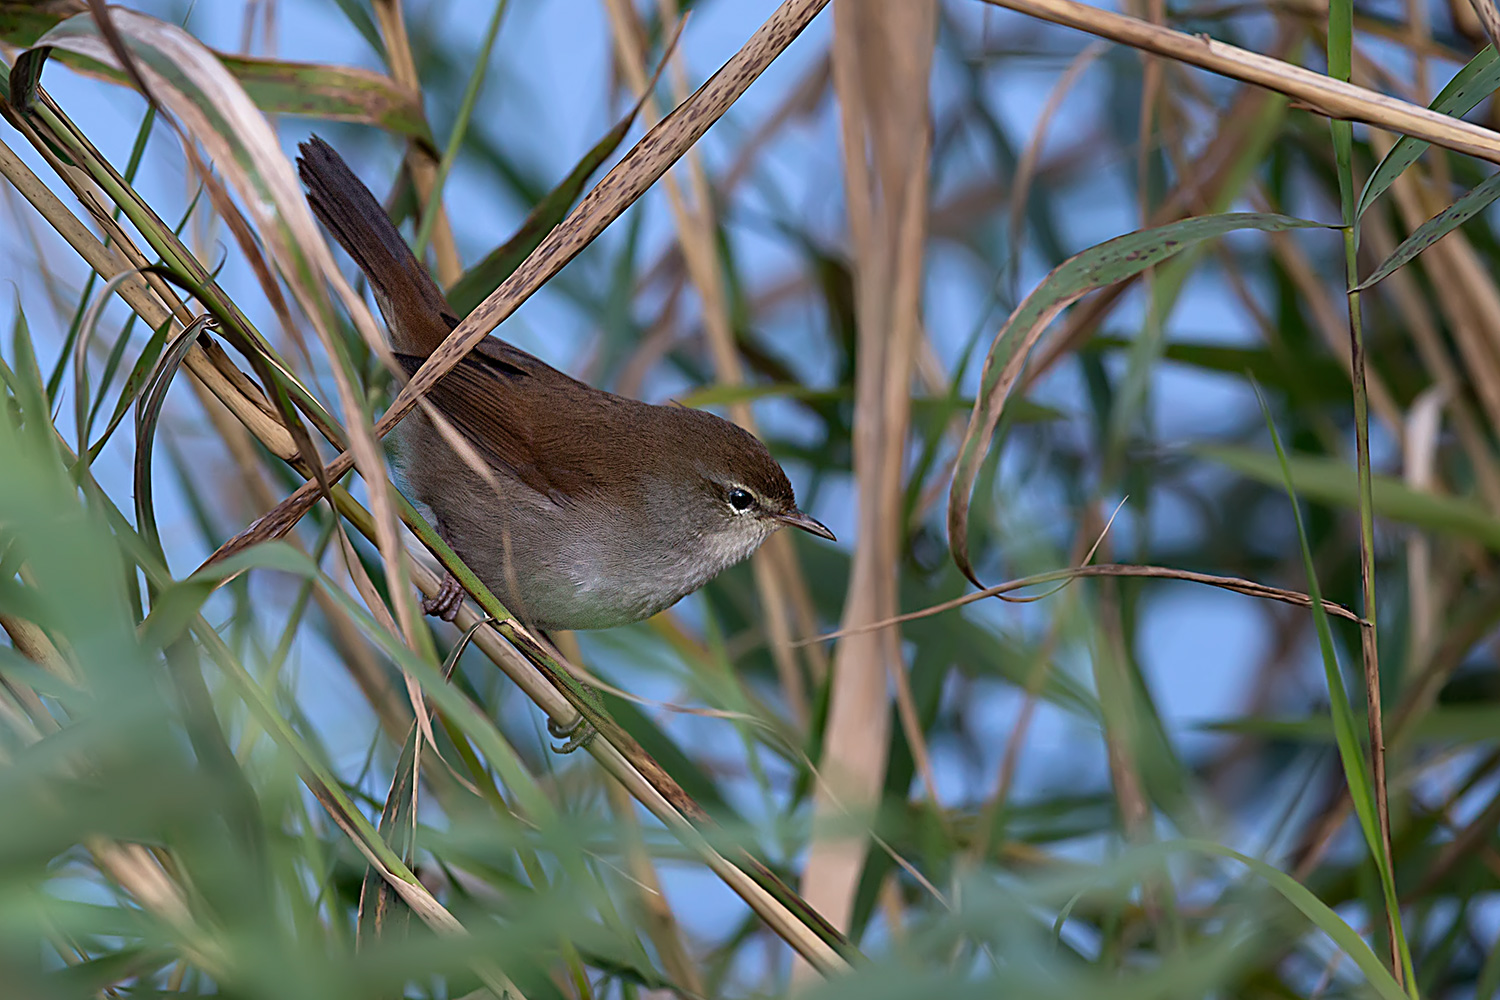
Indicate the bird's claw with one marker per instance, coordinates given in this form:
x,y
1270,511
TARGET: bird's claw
x,y
446,602
579,733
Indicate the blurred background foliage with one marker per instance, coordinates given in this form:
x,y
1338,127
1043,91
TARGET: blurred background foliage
x,y
1130,787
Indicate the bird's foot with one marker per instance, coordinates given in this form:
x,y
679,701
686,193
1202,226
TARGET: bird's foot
x,y
580,733
446,602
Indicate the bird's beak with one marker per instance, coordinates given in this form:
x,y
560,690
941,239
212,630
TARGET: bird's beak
x,y
796,519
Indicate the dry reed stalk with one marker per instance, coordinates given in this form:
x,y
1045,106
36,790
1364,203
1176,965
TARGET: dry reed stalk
x,y
1235,584
1326,96
1424,422
1489,19
881,61
541,691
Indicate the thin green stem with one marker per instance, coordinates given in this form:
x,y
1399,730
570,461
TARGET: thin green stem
x,y
1369,648
1340,66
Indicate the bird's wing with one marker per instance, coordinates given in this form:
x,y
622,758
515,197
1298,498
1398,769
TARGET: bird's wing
x,y
508,405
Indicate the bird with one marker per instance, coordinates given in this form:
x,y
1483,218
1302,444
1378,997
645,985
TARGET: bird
x,y
577,507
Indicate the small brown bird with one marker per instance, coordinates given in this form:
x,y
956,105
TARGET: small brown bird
x,y
592,510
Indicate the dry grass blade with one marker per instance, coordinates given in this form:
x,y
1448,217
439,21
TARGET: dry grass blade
x,y
1249,588
278,86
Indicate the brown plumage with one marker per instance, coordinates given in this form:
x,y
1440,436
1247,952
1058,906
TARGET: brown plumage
x,y
591,509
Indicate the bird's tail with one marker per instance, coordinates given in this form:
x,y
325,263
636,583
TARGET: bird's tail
x,y
415,311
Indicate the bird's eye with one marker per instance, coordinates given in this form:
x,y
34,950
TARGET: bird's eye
x,y
740,500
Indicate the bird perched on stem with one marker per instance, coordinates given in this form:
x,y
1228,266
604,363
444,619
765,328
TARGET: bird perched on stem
x,y
579,508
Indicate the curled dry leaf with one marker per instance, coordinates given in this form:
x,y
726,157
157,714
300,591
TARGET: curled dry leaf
x,y
1094,268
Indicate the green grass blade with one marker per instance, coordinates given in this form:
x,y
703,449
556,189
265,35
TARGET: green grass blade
x,y
1332,481
1357,775
1468,205
1316,911
1476,81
